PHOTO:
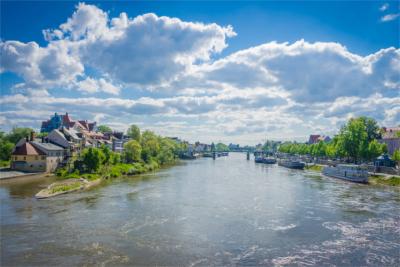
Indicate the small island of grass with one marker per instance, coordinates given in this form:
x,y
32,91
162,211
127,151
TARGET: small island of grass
x,y
384,180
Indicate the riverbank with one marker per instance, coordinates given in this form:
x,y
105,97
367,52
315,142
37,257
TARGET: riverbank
x,y
374,179
75,181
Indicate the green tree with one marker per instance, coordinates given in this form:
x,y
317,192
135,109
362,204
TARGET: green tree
x,y
107,154
18,133
353,139
132,151
167,148
222,147
134,133
372,128
92,159
6,148
374,150
104,129
396,156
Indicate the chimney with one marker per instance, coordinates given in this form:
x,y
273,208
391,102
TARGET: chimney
x,y
33,135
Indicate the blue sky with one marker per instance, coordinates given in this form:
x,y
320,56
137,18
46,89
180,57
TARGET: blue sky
x,y
229,71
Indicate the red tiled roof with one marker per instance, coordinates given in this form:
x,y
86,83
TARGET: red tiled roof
x,y
27,149
66,119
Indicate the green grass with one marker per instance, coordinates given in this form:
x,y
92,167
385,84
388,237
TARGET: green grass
x,y
382,180
65,187
90,176
4,163
316,168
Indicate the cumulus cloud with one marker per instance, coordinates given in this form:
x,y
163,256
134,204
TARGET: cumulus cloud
x,y
295,87
310,72
90,85
390,17
144,51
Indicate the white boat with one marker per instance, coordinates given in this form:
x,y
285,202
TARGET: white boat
x,y
353,173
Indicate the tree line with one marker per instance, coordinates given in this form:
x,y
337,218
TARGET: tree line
x,y
356,141
143,150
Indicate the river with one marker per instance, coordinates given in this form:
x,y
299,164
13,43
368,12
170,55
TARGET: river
x,y
227,211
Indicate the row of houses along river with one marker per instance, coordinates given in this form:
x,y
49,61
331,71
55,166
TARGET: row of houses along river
x,y
228,211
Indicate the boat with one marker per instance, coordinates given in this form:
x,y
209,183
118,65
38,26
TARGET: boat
x,y
352,173
269,160
259,160
292,164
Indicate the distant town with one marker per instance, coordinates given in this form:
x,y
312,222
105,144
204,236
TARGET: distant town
x,y
63,138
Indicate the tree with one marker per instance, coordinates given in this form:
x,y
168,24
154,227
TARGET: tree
x,y
167,149
222,147
134,133
375,149
104,129
18,133
396,156
6,148
92,158
132,151
107,154
372,128
353,139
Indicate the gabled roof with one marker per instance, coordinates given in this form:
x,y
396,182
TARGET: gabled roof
x,y
27,149
46,146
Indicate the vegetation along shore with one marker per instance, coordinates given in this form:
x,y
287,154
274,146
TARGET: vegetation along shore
x,y
144,152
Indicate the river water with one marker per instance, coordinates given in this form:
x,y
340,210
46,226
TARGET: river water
x,y
227,211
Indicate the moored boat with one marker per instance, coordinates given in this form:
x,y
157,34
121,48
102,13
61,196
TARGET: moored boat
x,y
269,160
292,164
352,173
259,160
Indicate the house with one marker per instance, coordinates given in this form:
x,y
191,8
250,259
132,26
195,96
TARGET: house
x,y
316,138
57,121
391,137
69,139
33,156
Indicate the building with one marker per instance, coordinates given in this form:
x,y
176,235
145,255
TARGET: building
x,y
391,137
33,156
316,138
69,139
58,121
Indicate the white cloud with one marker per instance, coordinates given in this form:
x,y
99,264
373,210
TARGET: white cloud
x,y
274,88
90,85
390,17
145,51
308,72
384,7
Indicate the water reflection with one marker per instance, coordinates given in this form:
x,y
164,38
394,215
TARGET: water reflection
x,y
224,212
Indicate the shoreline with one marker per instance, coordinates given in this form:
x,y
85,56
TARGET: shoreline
x,y
70,185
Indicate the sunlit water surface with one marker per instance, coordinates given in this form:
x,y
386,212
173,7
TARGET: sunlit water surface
x,y
224,212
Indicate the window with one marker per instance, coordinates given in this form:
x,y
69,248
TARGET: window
x,y
24,158
36,157
43,157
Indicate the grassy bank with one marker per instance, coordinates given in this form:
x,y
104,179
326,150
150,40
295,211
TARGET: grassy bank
x,y
316,168
4,163
105,172
384,180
